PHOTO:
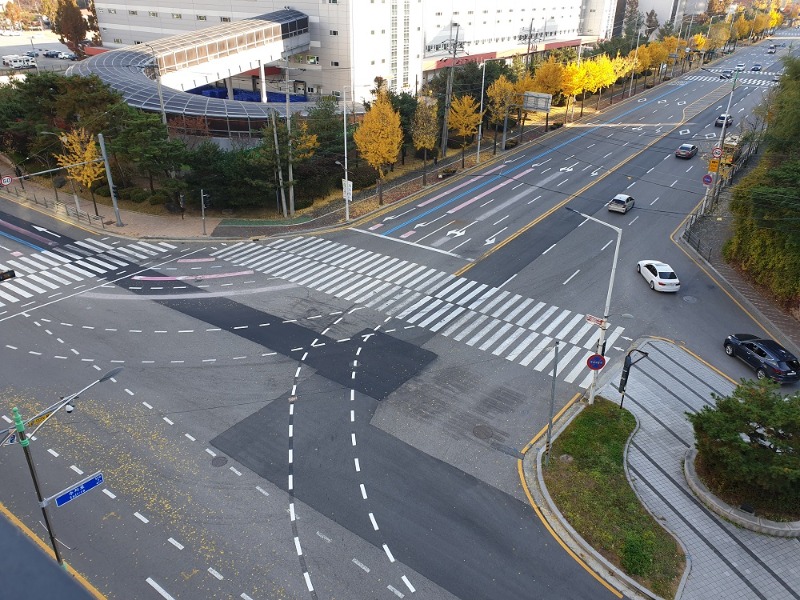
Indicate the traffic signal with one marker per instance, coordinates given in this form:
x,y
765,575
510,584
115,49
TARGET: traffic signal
x,y
626,370
207,200
114,192
182,200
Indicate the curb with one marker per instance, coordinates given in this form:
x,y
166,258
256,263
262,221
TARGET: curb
x,y
730,513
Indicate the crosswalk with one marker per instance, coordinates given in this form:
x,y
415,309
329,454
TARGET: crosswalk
x,y
46,272
507,325
739,81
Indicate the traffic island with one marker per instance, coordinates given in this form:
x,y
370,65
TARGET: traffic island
x,y
586,481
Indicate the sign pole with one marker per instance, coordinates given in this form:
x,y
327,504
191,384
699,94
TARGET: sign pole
x,y
552,402
25,443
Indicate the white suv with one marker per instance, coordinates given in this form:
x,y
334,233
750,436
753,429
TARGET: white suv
x,y
740,67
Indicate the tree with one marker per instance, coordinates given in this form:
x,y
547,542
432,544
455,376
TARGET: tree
x,y
549,77
13,14
464,119
144,141
658,55
633,20
80,147
650,23
750,441
501,95
425,129
666,30
379,137
741,27
572,85
69,25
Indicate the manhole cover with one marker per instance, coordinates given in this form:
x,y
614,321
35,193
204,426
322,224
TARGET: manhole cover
x,y
690,299
482,432
219,461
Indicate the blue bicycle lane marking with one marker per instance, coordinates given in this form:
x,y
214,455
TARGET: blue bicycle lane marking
x,y
21,241
506,174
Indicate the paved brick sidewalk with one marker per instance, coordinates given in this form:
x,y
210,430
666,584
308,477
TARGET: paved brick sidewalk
x,y
726,561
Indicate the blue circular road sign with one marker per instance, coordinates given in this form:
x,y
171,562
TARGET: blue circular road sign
x,y
707,179
596,362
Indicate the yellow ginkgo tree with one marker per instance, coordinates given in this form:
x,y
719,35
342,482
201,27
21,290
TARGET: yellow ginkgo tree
x,y
424,129
82,160
501,95
464,120
379,137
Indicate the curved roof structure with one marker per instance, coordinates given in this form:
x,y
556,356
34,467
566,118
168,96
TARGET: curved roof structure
x,y
204,53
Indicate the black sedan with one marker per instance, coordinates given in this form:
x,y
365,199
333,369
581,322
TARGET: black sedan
x,y
767,357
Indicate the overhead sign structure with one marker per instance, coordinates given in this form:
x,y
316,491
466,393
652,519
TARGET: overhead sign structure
x,y
596,362
7,180
536,101
78,489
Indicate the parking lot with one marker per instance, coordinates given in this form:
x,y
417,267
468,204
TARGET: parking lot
x,y
37,41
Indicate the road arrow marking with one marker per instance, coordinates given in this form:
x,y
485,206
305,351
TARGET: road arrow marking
x,y
569,168
462,231
393,217
595,172
43,230
493,239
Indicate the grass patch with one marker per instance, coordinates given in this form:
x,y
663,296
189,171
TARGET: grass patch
x,y
592,493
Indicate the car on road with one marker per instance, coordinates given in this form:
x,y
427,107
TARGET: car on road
x,y
756,67
51,53
32,53
776,77
723,119
726,74
68,56
686,151
771,50
767,357
621,203
658,275
740,67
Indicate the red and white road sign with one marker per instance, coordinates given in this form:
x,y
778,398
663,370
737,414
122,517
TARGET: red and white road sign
x,y
595,320
6,180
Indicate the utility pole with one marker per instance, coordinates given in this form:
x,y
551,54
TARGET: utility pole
x,y
449,91
289,144
528,55
111,187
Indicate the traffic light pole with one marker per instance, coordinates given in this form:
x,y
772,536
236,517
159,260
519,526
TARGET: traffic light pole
x,y
25,443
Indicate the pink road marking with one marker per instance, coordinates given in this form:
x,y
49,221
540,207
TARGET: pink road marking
x,y
208,259
185,277
479,196
408,233
377,226
458,187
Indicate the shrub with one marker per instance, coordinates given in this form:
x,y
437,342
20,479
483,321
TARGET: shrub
x,y
750,442
102,190
139,195
160,197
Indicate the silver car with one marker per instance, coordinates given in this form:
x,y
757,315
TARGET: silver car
x,y
621,203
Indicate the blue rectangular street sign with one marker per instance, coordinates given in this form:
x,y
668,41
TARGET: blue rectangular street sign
x,y
79,489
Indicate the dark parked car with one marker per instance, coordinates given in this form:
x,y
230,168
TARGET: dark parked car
x,y
52,53
756,67
767,357
726,74
686,151
32,53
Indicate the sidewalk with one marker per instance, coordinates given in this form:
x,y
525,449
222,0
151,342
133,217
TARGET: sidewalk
x,y
723,560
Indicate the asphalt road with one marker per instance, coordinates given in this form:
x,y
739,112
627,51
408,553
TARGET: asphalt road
x,y
341,416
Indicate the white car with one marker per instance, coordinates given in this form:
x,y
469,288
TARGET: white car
x,y
740,67
659,275
621,203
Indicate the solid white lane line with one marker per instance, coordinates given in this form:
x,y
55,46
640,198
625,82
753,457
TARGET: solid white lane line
x,y
570,277
159,589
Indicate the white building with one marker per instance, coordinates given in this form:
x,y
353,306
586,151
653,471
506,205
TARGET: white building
x,y
355,41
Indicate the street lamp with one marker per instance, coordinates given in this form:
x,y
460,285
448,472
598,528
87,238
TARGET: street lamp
x,y
158,82
8,435
635,59
347,187
715,185
601,341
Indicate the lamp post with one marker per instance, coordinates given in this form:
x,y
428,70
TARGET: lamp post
x,y
635,59
480,125
347,189
158,82
715,185
24,441
601,340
